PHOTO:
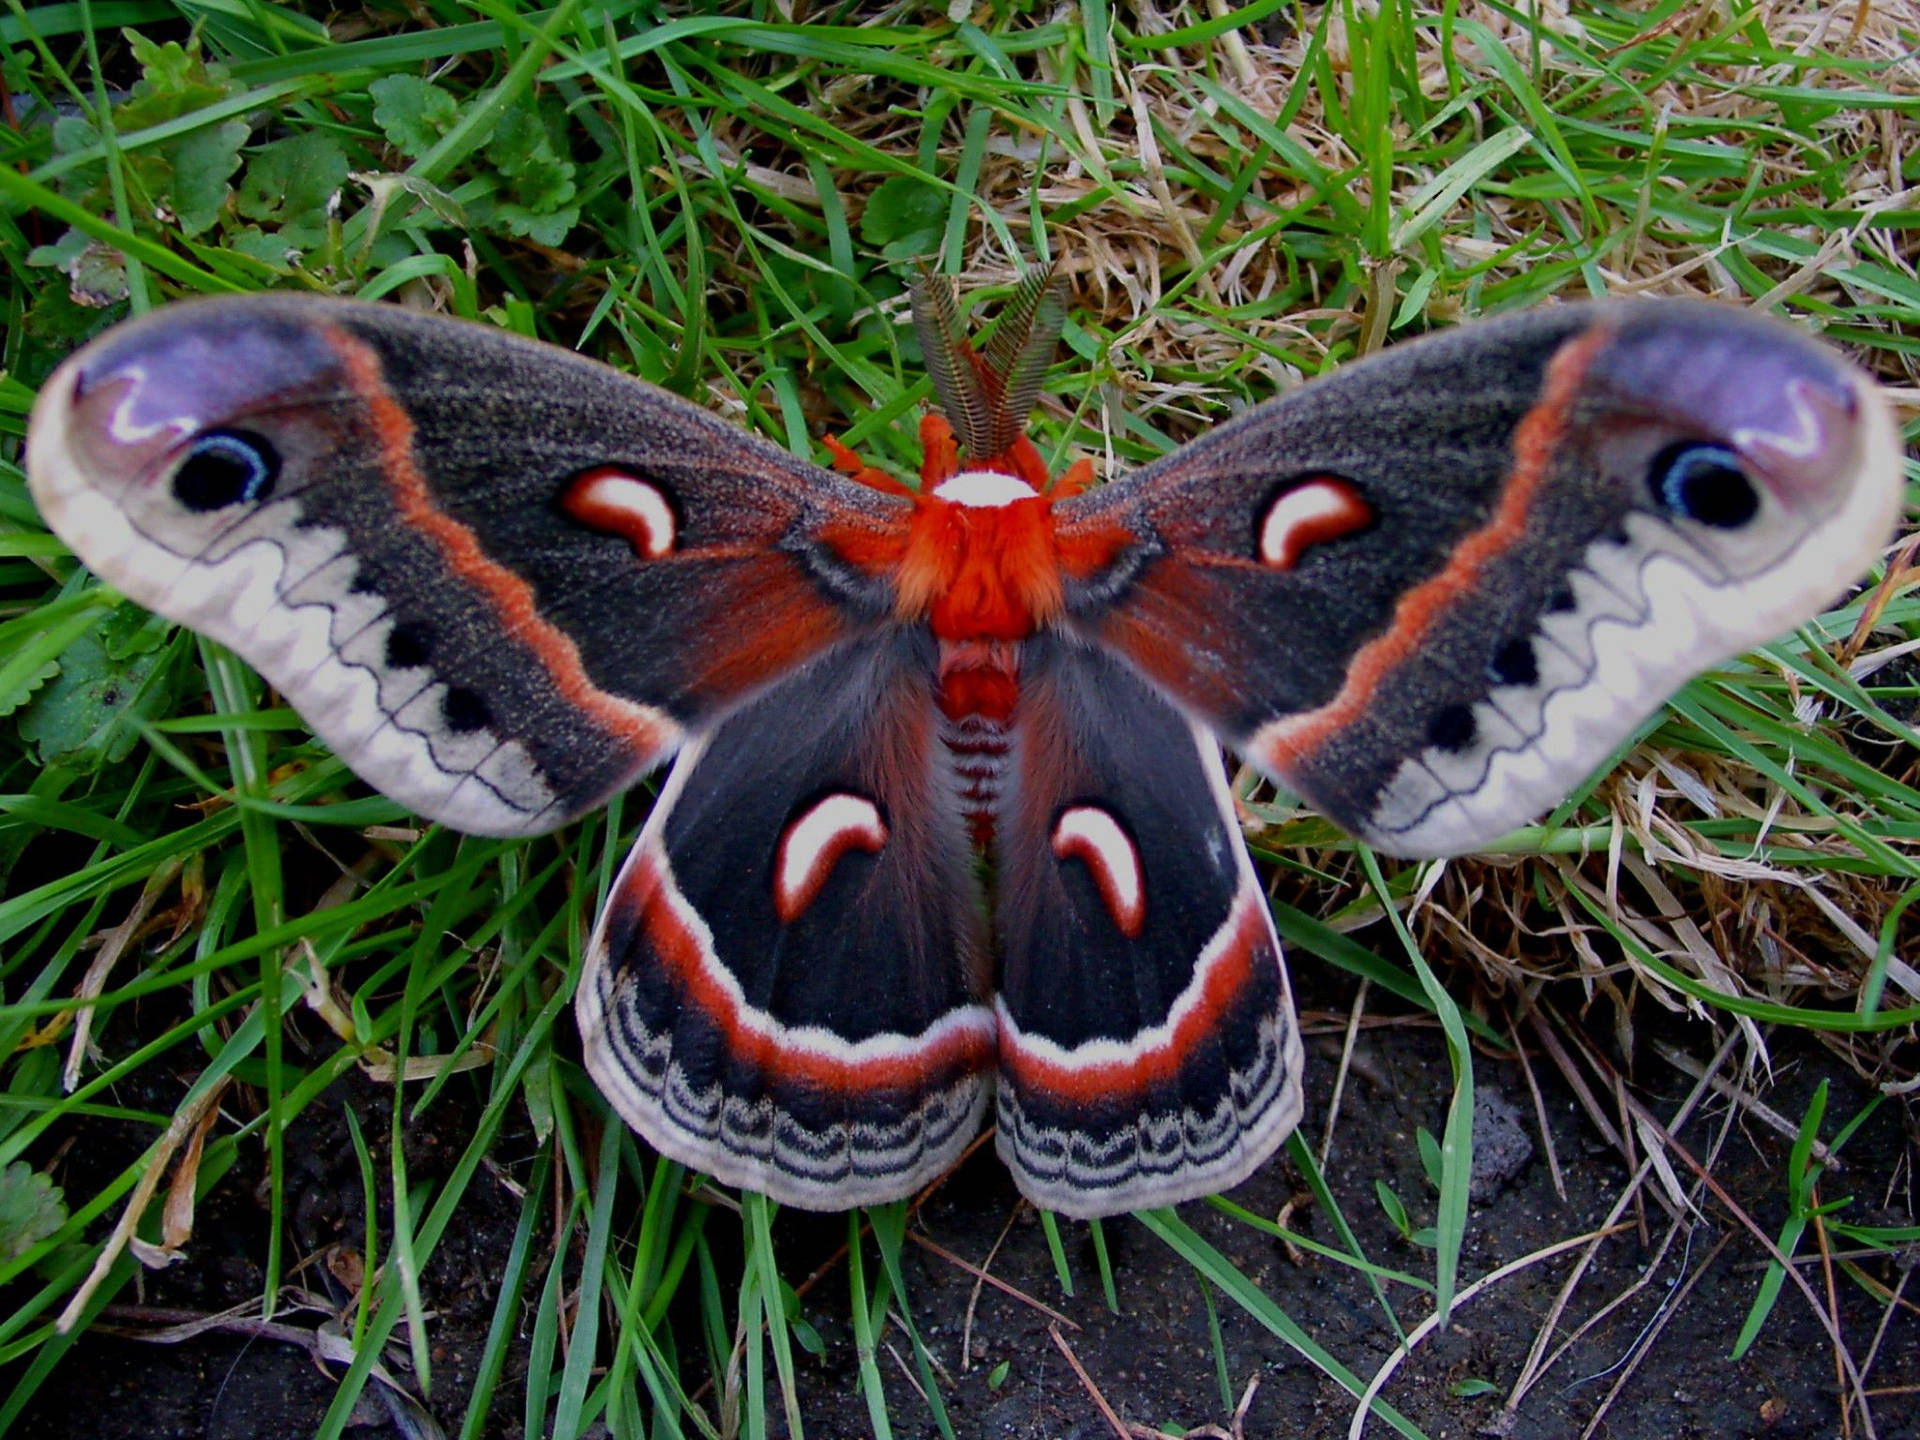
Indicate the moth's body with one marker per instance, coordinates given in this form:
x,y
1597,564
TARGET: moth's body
x,y
980,568
1428,595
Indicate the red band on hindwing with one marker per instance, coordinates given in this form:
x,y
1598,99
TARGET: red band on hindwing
x,y
755,1042
1151,1059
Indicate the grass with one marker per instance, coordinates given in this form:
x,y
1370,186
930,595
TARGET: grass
x,y
228,945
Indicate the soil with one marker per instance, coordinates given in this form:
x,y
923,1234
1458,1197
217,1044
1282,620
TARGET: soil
x,y
1152,1360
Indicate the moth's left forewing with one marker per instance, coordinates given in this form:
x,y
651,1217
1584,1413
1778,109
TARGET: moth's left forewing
x,y
1432,592
500,580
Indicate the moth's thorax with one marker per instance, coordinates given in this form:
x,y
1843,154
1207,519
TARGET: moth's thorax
x,y
980,563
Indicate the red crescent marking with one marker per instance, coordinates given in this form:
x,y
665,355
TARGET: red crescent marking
x,y
510,597
1310,514
616,502
964,1051
1291,742
1230,973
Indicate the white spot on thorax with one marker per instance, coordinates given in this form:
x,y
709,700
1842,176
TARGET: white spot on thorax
x,y
984,490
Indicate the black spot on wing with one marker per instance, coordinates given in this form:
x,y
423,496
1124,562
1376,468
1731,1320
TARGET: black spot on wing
x,y
465,710
1515,664
226,467
409,645
1453,728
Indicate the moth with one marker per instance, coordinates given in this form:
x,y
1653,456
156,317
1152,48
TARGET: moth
x,y
1427,594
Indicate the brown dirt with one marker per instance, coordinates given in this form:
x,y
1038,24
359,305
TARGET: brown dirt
x,y
1152,1361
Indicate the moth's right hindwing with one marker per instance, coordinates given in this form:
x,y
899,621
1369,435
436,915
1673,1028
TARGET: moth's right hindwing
x,y
1148,1048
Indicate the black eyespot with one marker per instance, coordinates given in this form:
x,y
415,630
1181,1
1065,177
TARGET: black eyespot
x,y
465,711
1515,664
409,646
226,467
1560,600
1453,728
1705,483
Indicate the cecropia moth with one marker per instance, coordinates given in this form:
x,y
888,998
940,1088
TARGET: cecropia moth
x,y
1428,594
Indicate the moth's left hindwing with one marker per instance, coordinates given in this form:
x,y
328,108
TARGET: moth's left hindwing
x,y
788,987
500,580
1432,591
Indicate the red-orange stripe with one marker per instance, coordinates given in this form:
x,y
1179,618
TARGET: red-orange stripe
x,y
960,1052
511,597
1292,741
1229,975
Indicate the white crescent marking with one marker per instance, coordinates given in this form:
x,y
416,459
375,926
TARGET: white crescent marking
x,y
1304,514
1096,837
649,519
815,841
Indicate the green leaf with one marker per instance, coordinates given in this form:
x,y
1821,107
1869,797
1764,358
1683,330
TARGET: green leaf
x,y
165,68
269,248
804,1334
291,182
62,253
904,217
1474,1386
1429,1155
525,153
412,113
79,718
997,1376
540,228
26,685
202,163
97,273
174,81
1396,1212
31,1208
